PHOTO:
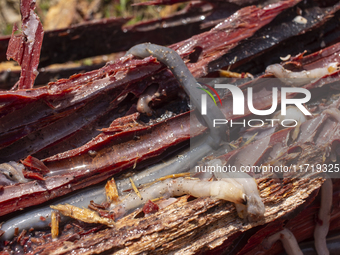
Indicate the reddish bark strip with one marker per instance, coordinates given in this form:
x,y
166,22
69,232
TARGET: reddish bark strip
x,y
213,44
25,48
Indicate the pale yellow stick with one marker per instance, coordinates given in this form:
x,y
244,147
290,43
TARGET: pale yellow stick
x,y
54,225
83,214
135,188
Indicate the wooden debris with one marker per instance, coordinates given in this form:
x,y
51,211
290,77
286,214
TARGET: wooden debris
x,y
54,225
83,214
111,191
135,188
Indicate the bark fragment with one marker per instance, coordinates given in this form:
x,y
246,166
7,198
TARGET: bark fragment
x,y
25,48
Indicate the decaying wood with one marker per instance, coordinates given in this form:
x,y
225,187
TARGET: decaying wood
x,y
188,227
275,41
